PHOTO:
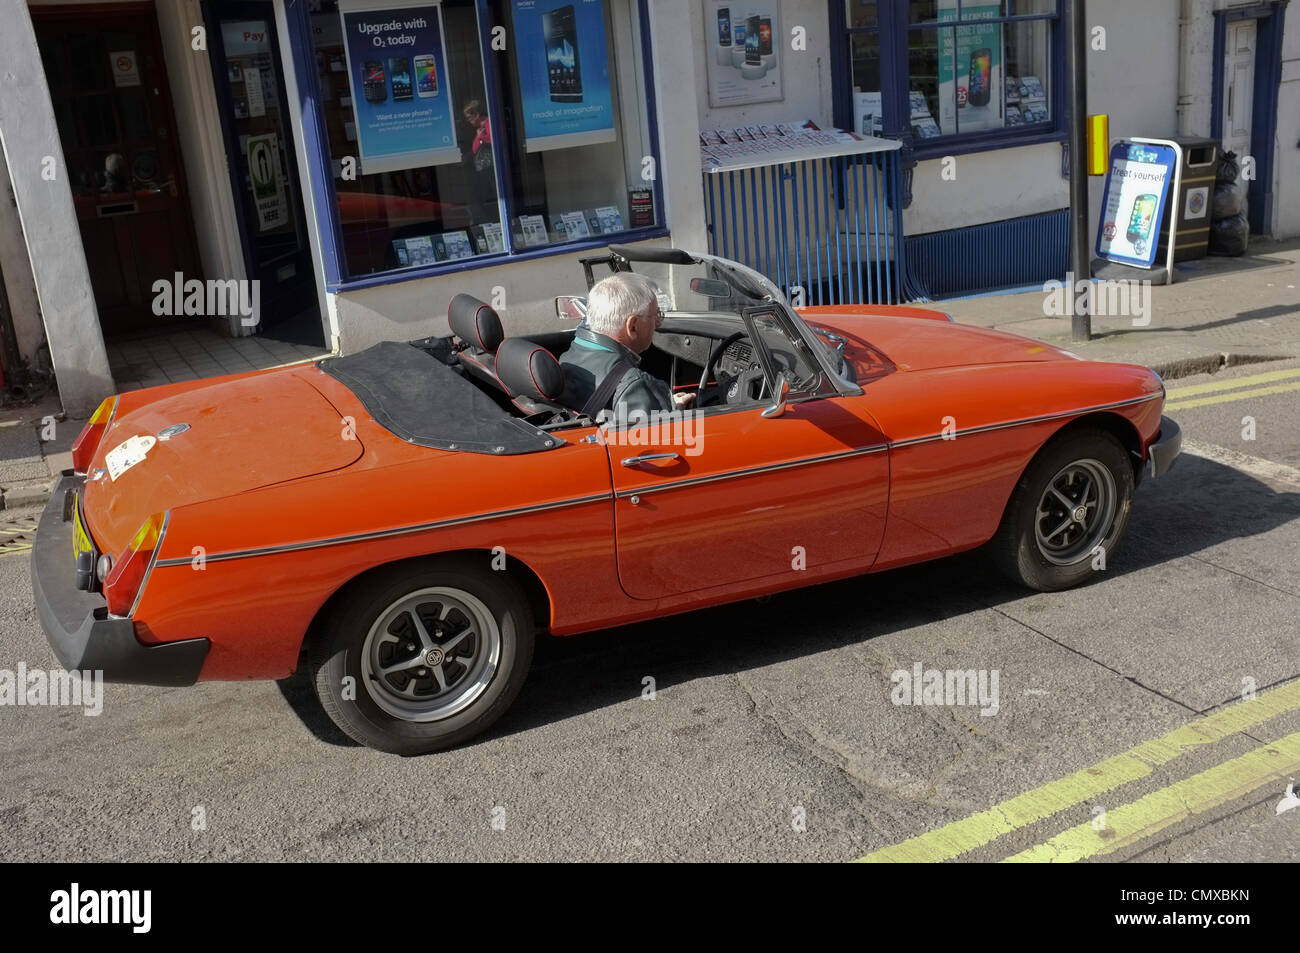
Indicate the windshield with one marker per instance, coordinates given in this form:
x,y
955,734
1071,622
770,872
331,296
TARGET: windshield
x,y
744,289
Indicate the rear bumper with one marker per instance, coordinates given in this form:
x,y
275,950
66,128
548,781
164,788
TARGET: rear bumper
x,y
1163,453
77,624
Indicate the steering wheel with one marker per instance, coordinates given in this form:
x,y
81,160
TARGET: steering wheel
x,y
709,368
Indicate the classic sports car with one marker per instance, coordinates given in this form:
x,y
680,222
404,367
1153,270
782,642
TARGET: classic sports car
x,y
405,520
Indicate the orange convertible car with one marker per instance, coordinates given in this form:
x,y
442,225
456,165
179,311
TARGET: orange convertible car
x,y
404,521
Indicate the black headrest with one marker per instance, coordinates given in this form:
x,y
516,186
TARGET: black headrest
x,y
475,323
529,370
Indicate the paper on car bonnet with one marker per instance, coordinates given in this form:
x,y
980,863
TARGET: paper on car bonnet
x,y
127,454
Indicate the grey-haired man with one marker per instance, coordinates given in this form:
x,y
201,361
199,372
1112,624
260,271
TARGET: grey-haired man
x,y
622,315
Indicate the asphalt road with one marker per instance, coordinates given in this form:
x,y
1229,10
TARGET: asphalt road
x,y
772,734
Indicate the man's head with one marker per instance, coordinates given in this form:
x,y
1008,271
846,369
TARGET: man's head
x,y
624,307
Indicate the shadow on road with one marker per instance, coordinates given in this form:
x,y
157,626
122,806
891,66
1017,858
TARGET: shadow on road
x,y
1198,505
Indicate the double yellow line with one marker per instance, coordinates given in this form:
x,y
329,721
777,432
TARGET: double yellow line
x,y
1131,822
1185,398
10,547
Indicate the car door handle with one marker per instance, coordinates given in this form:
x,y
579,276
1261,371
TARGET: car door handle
x,y
647,457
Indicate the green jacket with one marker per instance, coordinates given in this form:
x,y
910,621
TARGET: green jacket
x,y
591,357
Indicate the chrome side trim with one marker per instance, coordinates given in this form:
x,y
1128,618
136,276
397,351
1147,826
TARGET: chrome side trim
x,y
1020,423
384,533
751,471
623,494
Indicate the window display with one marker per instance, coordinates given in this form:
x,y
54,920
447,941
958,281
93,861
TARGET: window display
x,y
579,139
972,67
423,176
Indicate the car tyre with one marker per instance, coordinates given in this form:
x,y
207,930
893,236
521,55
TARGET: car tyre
x,y
424,656
1068,513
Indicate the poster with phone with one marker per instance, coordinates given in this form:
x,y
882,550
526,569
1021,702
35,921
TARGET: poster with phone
x,y
744,51
970,70
1137,189
868,114
401,97
562,55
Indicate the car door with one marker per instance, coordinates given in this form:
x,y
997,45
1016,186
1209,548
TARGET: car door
x,y
727,496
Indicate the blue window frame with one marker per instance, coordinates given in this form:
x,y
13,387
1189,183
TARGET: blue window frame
x,y
344,254
937,73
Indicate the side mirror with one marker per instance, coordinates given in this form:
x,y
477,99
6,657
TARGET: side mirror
x,y
782,393
571,306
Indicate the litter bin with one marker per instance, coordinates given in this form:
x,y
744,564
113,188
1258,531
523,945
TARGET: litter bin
x,y
1200,160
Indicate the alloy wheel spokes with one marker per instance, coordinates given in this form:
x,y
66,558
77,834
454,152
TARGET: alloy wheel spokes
x,y
431,654
1075,511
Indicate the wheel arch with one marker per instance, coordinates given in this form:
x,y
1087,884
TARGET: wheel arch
x,y
535,591
1117,425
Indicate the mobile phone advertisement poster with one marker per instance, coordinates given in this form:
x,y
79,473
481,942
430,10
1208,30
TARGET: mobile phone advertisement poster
x,y
744,58
401,93
970,70
1137,188
562,55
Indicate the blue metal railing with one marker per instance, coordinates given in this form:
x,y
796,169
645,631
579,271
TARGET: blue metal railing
x,y
832,226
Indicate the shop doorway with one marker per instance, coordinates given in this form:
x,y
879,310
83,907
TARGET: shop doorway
x,y
112,102
1239,89
1248,56
249,78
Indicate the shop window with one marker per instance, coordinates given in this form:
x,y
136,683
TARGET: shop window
x,y
978,76
447,150
949,71
577,132
406,200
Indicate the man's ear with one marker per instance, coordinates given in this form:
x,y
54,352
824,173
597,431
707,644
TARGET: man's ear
x,y
632,325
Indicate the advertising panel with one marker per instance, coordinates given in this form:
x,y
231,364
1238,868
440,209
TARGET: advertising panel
x,y
562,56
401,94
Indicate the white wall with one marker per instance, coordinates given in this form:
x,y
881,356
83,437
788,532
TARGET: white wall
x,y
989,187
806,75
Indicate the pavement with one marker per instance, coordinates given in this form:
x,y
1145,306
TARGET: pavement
x,y
1218,312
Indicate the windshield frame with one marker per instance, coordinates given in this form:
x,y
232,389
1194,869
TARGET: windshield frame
x,y
753,285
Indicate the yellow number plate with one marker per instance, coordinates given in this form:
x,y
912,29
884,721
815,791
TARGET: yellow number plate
x,y
80,538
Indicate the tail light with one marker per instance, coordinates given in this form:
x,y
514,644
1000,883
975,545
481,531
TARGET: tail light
x,y
125,580
83,451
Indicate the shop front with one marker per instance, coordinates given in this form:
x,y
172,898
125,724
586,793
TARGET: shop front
x,y
473,146
345,166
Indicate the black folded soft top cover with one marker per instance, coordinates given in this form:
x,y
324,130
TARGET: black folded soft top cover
x,y
416,392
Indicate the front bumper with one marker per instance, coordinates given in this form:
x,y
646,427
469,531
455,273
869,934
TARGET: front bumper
x,y
77,624
1163,453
